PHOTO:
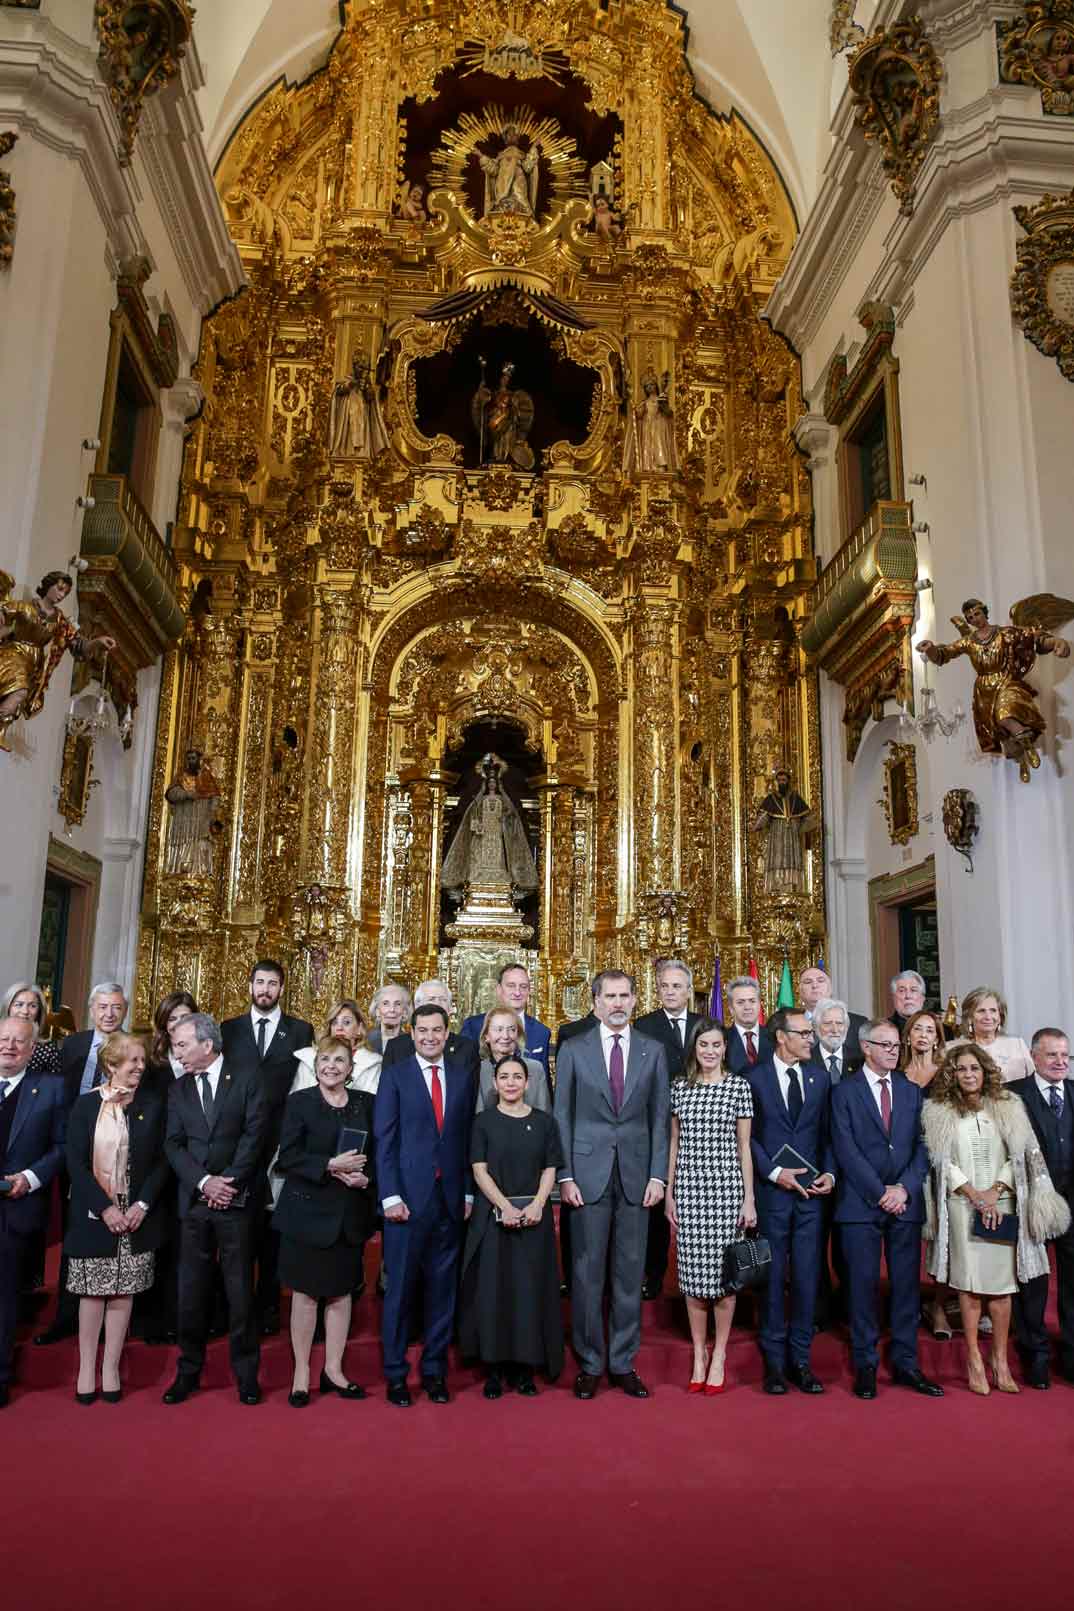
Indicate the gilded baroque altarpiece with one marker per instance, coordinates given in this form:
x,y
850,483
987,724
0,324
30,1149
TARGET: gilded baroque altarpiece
x,y
354,621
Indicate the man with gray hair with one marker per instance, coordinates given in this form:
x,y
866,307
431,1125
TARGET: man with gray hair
x,y
747,1041
814,986
79,1072
907,997
215,1143
672,1024
460,1049
831,1021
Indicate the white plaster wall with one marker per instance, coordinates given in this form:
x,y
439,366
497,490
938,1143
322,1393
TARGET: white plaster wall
x,y
989,421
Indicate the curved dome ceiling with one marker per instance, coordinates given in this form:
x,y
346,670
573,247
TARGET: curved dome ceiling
x,y
767,59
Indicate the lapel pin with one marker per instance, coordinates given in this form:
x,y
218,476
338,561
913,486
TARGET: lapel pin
x,y
33,1090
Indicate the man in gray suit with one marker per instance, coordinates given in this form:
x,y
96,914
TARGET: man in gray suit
x,y
611,1107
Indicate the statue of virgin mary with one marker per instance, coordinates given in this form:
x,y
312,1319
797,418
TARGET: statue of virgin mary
x,y
490,847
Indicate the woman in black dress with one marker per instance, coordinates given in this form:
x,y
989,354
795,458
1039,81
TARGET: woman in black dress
x,y
509,1307
119,1174
324,1214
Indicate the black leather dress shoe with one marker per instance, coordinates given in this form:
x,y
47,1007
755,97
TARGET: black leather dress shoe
x,y
1040,1379
803,1379
585,1386
493,1387
399,1394
436,1389
350,1390
300,1399
5,1395
250,1395
180,1390
651,1290
525,1386
774,1382
630,1382
865,1382
53,1334
918,1381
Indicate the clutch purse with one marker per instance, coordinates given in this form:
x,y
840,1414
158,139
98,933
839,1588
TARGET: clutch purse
x,y
1005,1231
516,1202
351,1140
747,1263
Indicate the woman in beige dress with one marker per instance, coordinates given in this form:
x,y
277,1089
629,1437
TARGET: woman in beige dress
x,y
986,1162
984,1017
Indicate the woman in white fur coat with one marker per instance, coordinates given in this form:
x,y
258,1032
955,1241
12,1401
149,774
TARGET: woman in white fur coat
x,y
985,1161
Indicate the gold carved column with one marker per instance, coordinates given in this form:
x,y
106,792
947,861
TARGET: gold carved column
x,y
428,786
659,906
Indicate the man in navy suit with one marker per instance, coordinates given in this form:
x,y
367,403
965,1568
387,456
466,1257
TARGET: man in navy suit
x,y
790,1108
748,1042
513,991
881,1162
33,1123
422,1117
1049,1101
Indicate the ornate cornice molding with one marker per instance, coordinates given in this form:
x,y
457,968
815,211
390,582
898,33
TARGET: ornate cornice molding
x,y
52,91
995,148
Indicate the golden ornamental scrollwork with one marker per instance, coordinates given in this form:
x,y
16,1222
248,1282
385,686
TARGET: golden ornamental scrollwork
x,y
843,31
1042,285
1038,48
142,47
895,78
899,799
490,555
7,203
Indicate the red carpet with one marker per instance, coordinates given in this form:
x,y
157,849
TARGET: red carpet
x,y
536,1503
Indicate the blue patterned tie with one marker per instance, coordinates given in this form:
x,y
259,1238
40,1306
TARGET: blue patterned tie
x,y
1055,1097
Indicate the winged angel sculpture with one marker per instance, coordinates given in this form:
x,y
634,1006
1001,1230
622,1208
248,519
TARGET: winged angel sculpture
x,y
1006,715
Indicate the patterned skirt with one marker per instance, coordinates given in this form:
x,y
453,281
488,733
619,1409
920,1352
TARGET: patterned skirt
x,y
121,1275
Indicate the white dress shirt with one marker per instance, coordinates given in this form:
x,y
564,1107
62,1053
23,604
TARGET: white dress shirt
x,y
213,1071
784,1077
273,1023
1046,1087
607,1040
427,1075
840,1055
678,1023
874,1086
13,1082
89,1071
755,1032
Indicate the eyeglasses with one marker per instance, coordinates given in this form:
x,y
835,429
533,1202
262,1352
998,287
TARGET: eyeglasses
x,y
884,1045
807,1033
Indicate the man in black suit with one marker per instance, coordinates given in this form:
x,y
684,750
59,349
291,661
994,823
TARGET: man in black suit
x,y
815,986
215,1143
572,1027
1049,1101
459,1049
747,1041
79,1072
33,1121
907,997
263,1043
671,1024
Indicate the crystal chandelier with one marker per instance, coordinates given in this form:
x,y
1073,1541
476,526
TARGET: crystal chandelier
x,y
91,713
932,719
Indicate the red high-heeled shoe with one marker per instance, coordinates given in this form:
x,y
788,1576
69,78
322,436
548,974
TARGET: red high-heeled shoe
x,y
696,1387
711,1389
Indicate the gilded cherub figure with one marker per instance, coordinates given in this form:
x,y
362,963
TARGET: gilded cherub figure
x,y
1006,716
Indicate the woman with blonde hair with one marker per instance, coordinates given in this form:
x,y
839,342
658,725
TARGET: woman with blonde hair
x,y
26,1000
346,1020
990,1206
984,1017
503,1034
119,1174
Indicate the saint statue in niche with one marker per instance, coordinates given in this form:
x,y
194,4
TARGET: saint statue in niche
x,y
490,847
650,439
783,817
511,177
357,428
412,207
502,419
192,796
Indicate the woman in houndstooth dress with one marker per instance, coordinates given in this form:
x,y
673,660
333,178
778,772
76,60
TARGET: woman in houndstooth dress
x,y
710,1190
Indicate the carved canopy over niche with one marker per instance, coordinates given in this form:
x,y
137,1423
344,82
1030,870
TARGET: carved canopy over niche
x,y
895,78
142,47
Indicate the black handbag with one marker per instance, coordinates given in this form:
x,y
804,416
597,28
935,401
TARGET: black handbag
x,y
747,1263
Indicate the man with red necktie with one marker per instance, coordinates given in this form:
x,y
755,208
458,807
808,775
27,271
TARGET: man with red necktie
x,y
748,1042
881,1164
421,1122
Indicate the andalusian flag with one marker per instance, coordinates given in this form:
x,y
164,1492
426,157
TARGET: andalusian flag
x,y
786,987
